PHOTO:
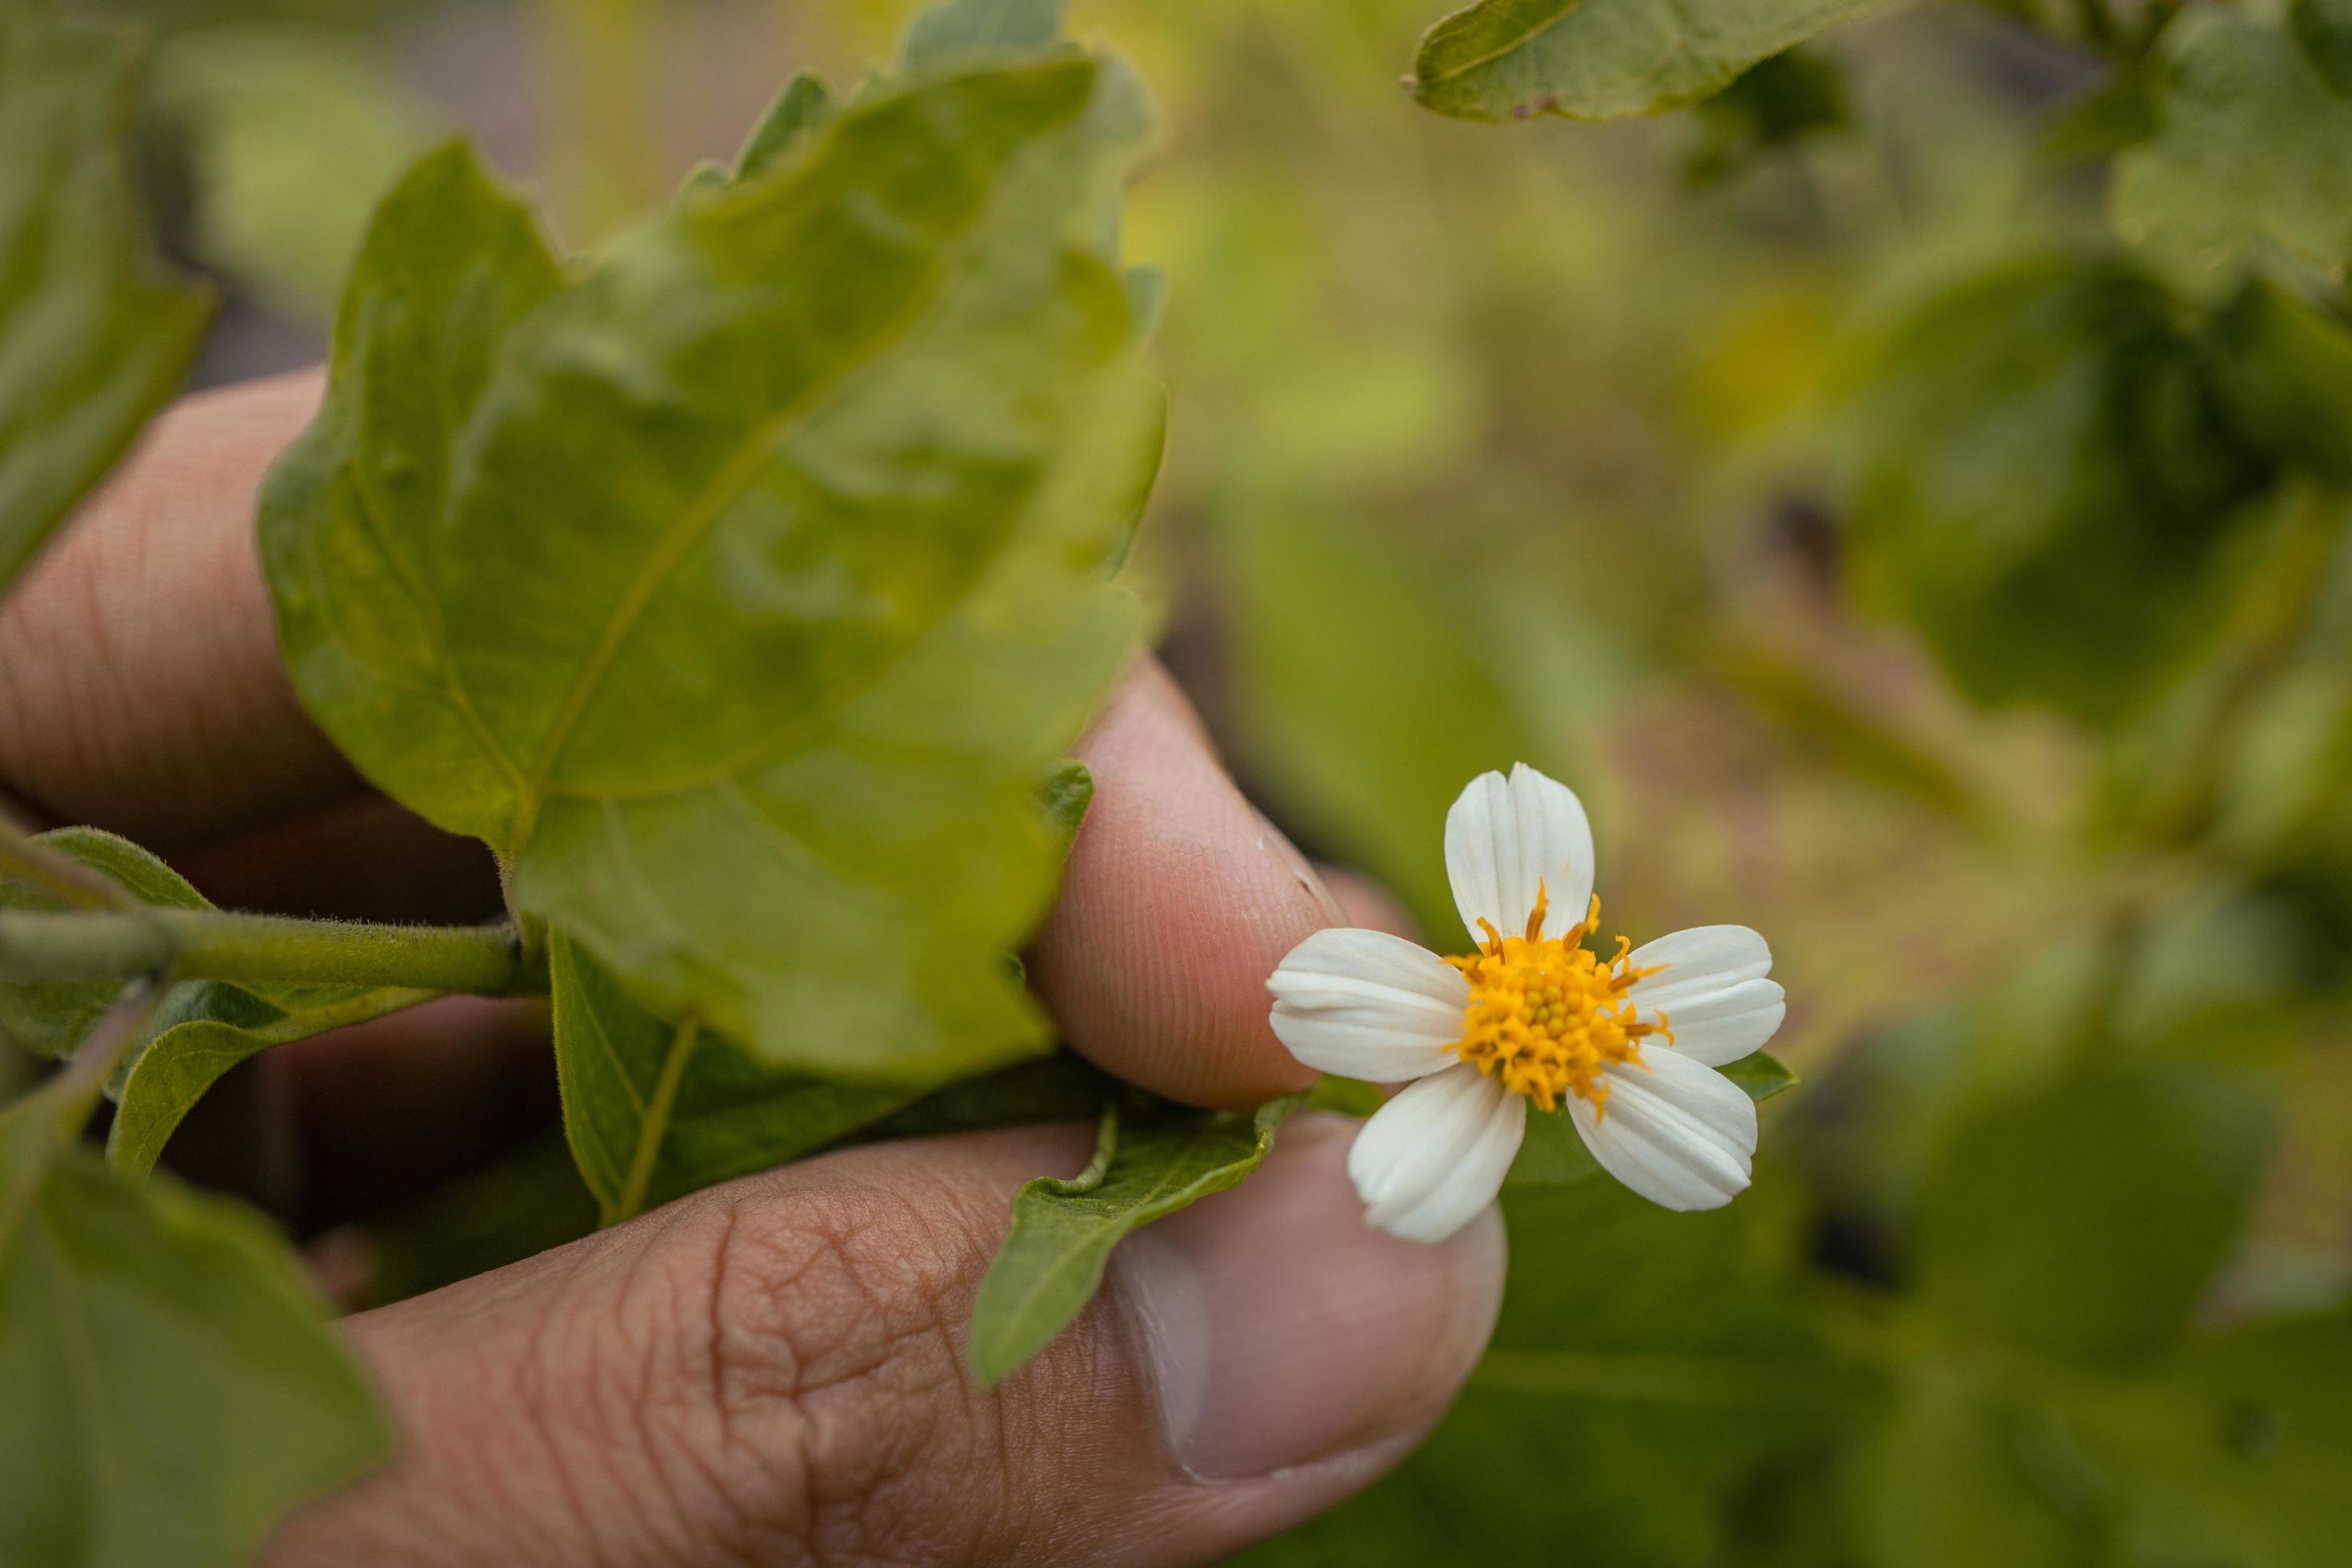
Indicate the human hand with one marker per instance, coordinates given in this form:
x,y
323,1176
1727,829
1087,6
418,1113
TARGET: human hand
x,y
772,1371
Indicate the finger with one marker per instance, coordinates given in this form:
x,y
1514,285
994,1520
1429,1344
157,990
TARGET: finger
x,y
773,1371
139,685
1179,899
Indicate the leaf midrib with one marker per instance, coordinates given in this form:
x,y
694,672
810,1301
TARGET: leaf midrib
x,y
727,485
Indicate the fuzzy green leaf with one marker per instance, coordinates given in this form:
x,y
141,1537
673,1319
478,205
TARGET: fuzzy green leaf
x,y
1605,59
1063,1231
655,1109
92,337
2251,145
2048,484
2086,1217
740,589
172,1389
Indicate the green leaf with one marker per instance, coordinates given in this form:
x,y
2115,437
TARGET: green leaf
x,y
2251,145
806,104
1760,1075
93,338
1771,107
656,1109
172,1390
2284,367
1553,1154
1063,1231
204,1028
2086,1217
2048,486
743,620
1604,59
2323,29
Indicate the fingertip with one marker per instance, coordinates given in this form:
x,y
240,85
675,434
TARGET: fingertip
x,y
1179,899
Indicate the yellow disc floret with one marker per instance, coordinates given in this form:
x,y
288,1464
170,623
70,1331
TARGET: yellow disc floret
x,y
1546,1017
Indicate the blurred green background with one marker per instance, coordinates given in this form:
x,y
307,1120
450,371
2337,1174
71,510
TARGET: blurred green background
x,y
1813,482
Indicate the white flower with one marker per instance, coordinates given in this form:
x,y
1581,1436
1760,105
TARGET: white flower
x,y
1628,1045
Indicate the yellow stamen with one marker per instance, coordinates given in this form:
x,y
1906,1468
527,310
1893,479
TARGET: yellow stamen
x,y
1547,1016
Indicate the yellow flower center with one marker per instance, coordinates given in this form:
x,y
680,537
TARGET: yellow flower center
x,y
1546,1017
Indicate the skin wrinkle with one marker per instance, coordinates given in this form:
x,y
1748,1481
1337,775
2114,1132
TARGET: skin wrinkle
x,y
663,1429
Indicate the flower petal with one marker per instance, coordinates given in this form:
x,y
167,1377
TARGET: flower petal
x,y
1367,1005
1435,1156
1504,838
1711,988
1679,1133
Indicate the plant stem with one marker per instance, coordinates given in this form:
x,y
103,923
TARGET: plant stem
x,y
208,944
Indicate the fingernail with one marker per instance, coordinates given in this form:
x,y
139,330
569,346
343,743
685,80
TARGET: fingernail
x,y
1281,1330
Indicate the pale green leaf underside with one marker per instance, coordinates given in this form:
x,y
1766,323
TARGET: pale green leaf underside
x,y
172,1389
741,590
1605,59
1064,1230
92,340
2251,147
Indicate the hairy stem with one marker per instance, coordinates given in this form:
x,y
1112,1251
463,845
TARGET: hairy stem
x,y
208,944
